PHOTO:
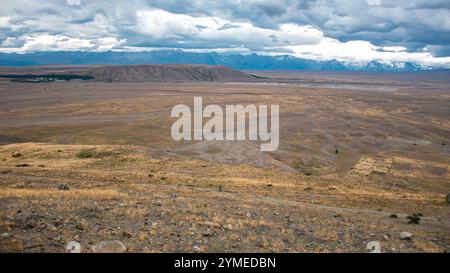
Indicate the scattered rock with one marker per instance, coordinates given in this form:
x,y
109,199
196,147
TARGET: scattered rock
x,y
63,187
207,232
73,247
406,236
208,224
196,249
228,226
374,247
52,228
82,224
109,247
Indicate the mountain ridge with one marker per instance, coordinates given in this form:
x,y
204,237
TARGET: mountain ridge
x,y
236,61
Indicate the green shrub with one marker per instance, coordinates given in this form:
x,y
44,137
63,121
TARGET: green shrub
x,y
86,153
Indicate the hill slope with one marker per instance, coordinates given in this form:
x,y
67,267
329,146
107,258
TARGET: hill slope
x,y
128,73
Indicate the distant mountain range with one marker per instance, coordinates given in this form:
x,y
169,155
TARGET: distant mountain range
x,y
236,61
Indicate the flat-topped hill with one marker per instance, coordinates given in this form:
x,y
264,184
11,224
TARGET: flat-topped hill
x,y
127,73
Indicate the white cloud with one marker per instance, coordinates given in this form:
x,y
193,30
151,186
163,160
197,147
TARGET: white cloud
x,y
363,51
73,2
5,21
48,42
163,25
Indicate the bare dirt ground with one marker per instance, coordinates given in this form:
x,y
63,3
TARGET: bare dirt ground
x,y
349,158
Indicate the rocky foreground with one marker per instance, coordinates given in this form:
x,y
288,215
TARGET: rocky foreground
x,y
81,198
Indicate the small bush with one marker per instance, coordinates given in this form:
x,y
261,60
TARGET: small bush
x,y
86,153
299,166
91,153
414,218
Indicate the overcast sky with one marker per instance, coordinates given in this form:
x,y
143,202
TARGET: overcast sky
x,y
347,30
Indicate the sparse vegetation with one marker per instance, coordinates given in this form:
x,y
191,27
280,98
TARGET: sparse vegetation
x,y
92,153
303,169
16,155
86,153
414,218
45,77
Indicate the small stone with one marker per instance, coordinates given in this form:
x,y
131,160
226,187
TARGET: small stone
x,y
248,214
393,216
386,237
207,232
4,235
228,226
52,228
196,249
374,247
73,247
447,198
109,247
82,224
209,224
63,187
406,235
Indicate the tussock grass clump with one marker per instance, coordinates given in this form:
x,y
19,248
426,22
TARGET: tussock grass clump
x,y
302,168
16,155
86,153
92,153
